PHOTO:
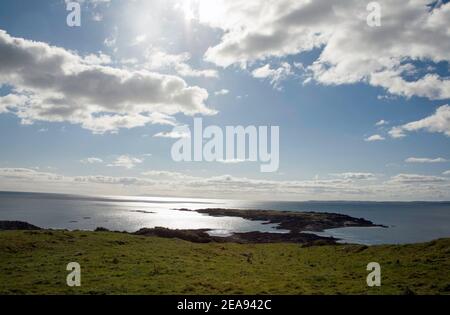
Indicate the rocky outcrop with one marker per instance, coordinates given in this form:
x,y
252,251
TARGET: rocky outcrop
x,y
295,222
17,225
202,236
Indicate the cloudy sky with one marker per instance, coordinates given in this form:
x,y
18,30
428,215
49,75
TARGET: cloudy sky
x,y
364,111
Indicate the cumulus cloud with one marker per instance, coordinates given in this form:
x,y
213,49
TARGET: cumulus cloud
x,y
425,160
446,173
374,138
10,101
52,84
438,122
351,50
97,59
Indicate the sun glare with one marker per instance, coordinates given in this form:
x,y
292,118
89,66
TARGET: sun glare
x,y
210,10
207,11
188,9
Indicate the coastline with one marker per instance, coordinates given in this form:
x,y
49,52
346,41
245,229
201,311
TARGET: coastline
x,y
300,227
165,261
56,211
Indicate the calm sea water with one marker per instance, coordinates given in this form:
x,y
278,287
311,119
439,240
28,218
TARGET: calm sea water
x,y
408,222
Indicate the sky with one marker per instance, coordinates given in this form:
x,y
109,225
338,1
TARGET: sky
x,y
363,110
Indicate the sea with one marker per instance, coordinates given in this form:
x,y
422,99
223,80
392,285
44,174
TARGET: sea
x,y
407,222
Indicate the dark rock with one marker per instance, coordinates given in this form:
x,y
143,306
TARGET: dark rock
x,y
142,211
101,229
201,236
196,236
296,222
17,225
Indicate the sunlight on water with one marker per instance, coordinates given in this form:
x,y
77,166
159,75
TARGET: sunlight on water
x,y
121,213
408,222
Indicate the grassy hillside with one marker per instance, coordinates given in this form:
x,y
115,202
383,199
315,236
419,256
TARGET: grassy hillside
x,y
113,263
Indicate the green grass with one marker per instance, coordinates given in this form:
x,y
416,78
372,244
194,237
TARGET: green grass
x,y
114,263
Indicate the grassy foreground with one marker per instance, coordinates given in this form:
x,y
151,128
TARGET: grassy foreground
x,y
114,263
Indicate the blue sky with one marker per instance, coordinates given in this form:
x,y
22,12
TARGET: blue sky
x,y
327,92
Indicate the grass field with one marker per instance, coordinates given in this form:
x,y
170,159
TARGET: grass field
x,y
114,263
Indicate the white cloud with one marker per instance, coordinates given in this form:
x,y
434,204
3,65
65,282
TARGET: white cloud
x,y
351,51
397,133
110,41
387,97
430,86
173,135
355,176
222,92
53,84
381,123
374,138
126,161
97,17
438,122
400,187
425,160
276,76
97,59
186,70
92,160
10,101
417,179
28,175
177,132
166,175
138,40
446,173
129,61
157,59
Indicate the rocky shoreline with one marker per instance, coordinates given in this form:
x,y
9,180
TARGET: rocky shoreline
x,y
202,236
296,222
